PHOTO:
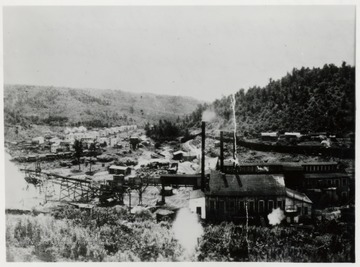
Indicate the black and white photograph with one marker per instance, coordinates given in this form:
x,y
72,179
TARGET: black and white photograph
x,y
179,133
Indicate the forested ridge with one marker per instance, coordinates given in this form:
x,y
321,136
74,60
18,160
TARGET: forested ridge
x,y
306,100
58,106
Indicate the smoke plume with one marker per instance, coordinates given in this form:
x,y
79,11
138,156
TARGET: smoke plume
x,y
208,115
276,216
187,230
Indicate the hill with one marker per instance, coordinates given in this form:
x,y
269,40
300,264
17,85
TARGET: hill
x,y
49,105
317,99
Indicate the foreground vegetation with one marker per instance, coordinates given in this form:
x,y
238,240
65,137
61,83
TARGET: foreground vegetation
x,y
113,234
330,242
103,235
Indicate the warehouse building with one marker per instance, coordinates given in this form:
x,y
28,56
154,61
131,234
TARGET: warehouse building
x,y
234,197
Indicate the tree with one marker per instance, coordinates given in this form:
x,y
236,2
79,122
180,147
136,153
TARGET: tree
x,y
78,150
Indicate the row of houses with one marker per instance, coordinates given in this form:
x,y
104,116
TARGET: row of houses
x,y
82,132
104,136
277,136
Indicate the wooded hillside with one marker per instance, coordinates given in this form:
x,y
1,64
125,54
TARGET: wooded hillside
x,y
65,106
317,99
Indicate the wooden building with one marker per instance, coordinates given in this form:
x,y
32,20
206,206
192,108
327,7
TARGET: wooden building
x,y
232,196
122,170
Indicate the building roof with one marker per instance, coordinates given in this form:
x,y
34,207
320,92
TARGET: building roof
x,y
164,212
325,175
246,185
114,167
260,164
297,195
319,163
196,194
273,134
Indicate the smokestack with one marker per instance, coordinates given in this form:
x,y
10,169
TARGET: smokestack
x,y
203,155
234,146
221,152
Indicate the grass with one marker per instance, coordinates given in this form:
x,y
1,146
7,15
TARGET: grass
x,y
114,234
104,235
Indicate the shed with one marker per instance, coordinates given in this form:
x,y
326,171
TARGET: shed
x,y
38,140
178,155
269,136
197,203
123,170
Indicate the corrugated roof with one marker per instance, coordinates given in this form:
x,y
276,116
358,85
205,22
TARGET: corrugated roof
x,y
325,175
246,185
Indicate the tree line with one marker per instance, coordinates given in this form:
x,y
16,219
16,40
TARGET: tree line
x,y
306,100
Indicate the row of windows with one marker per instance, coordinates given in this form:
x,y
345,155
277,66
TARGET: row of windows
x,y
320,168
326,182
261,206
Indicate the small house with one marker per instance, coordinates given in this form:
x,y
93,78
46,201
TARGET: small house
x,y
296,205
269,136
178,155
197,203
189,156
54,148
123,170
292,135
38,140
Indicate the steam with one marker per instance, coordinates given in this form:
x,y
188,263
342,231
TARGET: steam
x,y
208,115
276,216
187,230
233,103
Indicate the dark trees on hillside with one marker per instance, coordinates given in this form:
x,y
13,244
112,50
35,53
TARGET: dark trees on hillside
x,y
164,130
318,99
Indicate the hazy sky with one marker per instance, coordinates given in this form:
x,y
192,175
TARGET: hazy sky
x,y
203,52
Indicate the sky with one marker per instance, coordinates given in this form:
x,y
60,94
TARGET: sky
x,y
204,52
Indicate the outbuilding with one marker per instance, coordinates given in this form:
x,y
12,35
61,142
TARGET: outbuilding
x,y
123,170
197,203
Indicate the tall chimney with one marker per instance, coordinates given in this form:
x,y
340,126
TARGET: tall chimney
x,y
221,152
203,155
234,146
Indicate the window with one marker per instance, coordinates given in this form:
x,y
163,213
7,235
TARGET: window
x,y
212,205
299,210
337,182
270,205
251,206
261,206
306,210
242,206
344,182
279,204
230,205
222,205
